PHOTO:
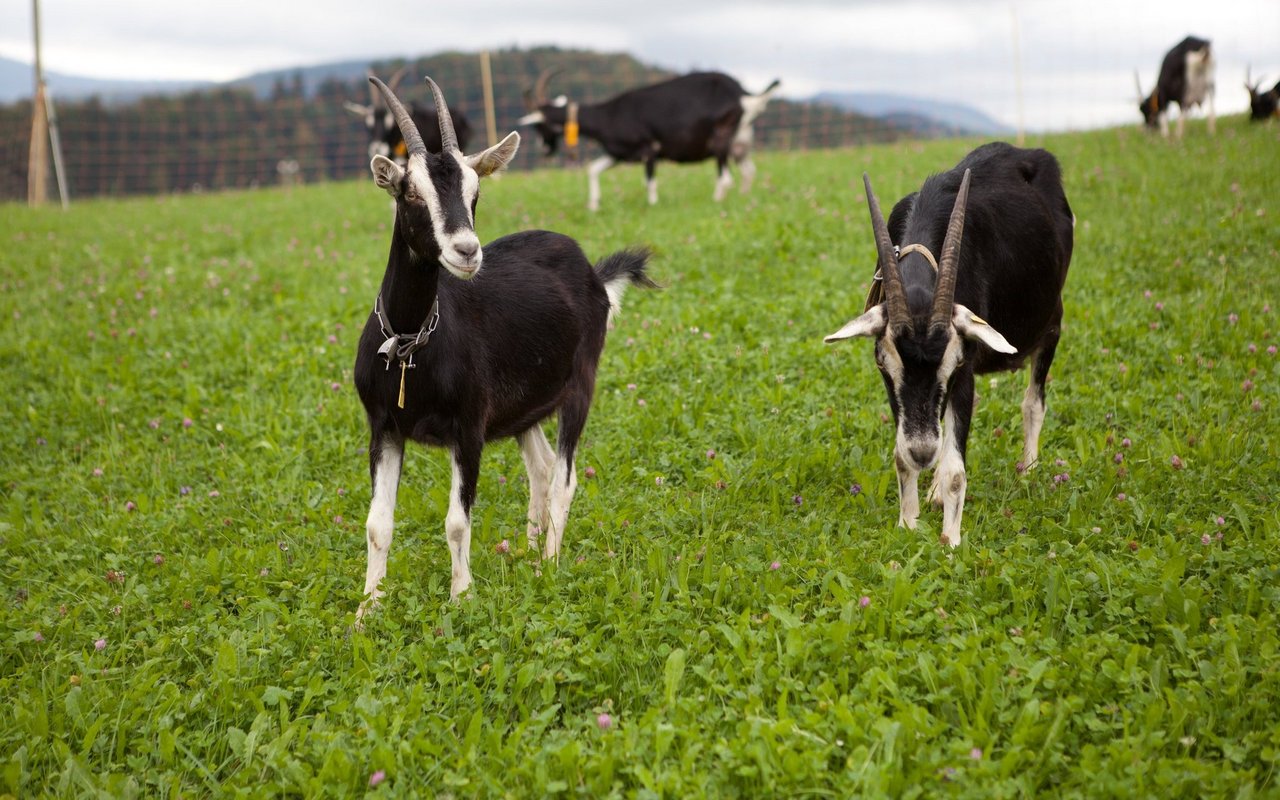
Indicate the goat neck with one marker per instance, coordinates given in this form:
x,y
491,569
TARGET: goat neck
x,y
409,285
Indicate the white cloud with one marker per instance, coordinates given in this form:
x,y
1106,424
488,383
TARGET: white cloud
x,y
1078,56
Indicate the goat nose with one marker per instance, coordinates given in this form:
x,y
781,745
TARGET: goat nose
x,y
922,454
467,250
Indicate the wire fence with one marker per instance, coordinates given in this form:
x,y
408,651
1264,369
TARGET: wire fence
x,y
297,129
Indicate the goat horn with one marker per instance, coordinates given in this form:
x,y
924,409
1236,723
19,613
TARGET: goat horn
x,y
944,295
1137,82
448,139
412,139
396,77
540,88
374,98
895,298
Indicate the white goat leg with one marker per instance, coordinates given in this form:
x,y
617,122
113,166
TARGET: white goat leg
x,y
457,530
564,482
539,460
951,483
908,492
593,181
381,522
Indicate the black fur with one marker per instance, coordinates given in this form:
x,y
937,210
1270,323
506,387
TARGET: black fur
x,y
1014,255
1171,86
385,130
514,344
1263,105
689,118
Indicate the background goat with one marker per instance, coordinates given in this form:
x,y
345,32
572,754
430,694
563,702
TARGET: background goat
x,y
690,118
1262,105
385,138
479,354
1186,78
930,329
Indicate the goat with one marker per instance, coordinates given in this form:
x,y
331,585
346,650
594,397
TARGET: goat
x,y
690,118
1262,105
493,352
1186,78
929,316
385,138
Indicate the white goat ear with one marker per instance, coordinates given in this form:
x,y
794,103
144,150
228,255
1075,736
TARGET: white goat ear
x,y
871,323
387,174
971,326
357,109
487,162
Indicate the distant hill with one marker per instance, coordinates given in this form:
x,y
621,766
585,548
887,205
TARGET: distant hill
x,y
238,134
923,116
17,83
309,79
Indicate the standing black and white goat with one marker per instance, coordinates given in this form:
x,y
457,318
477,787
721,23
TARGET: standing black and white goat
x,y
385,138
690,118
1186,78
455,356
1262,105
931,329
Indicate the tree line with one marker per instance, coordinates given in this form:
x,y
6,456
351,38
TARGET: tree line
x,y
240,137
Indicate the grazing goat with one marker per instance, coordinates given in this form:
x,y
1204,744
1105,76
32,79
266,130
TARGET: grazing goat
x,y
385,138
690,118
1186,78
455,356
928,315
1262,105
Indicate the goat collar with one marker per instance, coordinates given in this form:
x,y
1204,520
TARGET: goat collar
x,y
402,346
571,126
875,295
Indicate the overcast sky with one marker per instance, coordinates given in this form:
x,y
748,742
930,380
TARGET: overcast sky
x,y
1077,56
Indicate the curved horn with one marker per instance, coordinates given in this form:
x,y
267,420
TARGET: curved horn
x,y
895,297
944,295
448,139
396,77
375,99
1137,83
412,139
540,88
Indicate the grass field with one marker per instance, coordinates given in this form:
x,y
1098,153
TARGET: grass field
x,y
184,486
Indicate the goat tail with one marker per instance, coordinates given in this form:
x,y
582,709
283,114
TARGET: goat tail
x,y
622,269
753,105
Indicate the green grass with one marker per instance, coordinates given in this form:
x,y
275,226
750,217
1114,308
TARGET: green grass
x,y
182,476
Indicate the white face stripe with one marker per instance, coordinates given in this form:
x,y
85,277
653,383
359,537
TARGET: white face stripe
x,y
424,191
951,358
896,369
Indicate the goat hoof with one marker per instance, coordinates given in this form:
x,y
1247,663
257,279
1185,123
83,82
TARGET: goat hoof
x,y
947,540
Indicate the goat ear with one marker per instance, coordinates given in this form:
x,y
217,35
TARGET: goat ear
x,y
971,326
357,109
387,174
487,162
871,323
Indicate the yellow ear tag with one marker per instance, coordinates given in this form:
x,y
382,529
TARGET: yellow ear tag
x,y
571,134
977,320
402,151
